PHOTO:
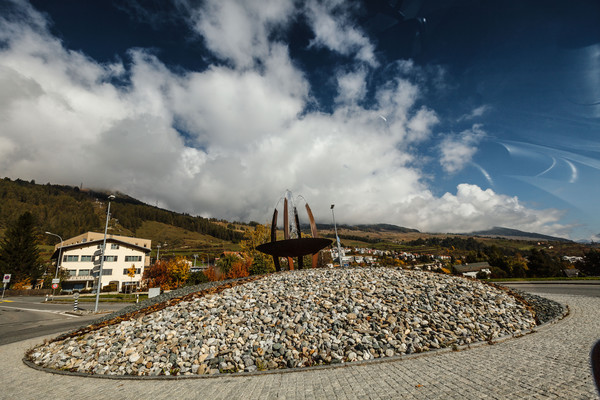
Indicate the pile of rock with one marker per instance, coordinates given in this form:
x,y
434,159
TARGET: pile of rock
x,y
297,319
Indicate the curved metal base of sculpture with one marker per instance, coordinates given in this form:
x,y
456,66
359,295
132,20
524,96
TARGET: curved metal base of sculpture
x,y
294,247
288,247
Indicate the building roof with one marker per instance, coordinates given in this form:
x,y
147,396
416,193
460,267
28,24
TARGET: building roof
x,y
91,236
473,267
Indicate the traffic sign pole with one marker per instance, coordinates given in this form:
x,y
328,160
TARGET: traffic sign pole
x,y
5,281
55,283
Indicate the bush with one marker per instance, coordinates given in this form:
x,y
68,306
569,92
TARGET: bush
x,y
196,278
482,275
111,287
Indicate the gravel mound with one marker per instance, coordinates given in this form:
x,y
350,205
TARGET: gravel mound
x,y
296,319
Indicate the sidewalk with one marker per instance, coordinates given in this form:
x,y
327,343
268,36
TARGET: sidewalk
x,y
552,363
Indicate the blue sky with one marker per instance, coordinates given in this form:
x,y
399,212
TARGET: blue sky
x,y
444,116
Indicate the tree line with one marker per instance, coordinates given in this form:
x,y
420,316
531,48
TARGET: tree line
x,y
69,211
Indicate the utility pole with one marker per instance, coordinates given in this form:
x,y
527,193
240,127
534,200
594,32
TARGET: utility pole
x,y
99,284
57,261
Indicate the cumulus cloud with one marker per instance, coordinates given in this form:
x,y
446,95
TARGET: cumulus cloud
x,y
238,30
352,86
472,208
335,31
456,151
229,140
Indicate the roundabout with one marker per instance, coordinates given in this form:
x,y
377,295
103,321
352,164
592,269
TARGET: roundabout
x,y
294,320
551,363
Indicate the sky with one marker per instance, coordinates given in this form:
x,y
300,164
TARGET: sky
x,y
443,116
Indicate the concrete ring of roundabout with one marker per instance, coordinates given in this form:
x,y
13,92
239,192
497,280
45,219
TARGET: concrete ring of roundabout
x,y
296,321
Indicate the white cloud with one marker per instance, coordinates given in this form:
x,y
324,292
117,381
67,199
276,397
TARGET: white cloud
x,y
352,87
475,113
335,31
238,30
456,151
473,209
229,140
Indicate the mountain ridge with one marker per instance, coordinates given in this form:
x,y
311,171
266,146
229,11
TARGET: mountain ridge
x,y
499,231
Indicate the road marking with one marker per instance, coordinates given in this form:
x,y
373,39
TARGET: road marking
x,y
46,311
6,301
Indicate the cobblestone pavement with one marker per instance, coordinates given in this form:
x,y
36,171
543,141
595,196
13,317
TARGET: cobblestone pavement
x,y
552,363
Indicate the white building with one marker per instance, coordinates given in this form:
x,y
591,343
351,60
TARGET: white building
x,y
81,260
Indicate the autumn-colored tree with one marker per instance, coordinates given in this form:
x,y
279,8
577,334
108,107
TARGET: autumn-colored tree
x,y
168,274
212,274
240,269
21,284
179,271
225,263
131,274
157,275
261,263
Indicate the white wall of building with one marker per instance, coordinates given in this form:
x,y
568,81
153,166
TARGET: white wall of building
x,y
79,263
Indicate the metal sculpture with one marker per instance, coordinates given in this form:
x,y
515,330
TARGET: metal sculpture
x,y
293,247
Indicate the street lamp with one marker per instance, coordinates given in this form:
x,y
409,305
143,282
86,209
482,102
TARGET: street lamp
x,y
99,284
157,252
59,259
337,238
195,256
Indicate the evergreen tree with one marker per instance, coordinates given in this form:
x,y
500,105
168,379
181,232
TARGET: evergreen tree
x,y
19,254
591,263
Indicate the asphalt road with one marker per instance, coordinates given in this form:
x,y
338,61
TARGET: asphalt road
x,y
577,289
28,317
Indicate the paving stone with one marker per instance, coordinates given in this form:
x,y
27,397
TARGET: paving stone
x,y
551,363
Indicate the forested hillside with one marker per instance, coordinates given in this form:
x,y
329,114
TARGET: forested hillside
x,y
69,211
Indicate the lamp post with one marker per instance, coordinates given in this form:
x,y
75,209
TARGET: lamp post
x,y
59,259
195,256
99,284
337,238
158,252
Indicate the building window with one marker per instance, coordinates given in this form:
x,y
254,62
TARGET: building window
x,y
72,272
84,272
86,258
133,258
83,240
106,272
70,258
114,246
110,258
99,246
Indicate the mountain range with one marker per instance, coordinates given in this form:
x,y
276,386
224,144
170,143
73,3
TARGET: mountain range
x,y
71,210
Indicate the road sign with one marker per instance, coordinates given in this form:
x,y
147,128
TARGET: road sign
x,y
76,295
6,278
56,280
55,286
